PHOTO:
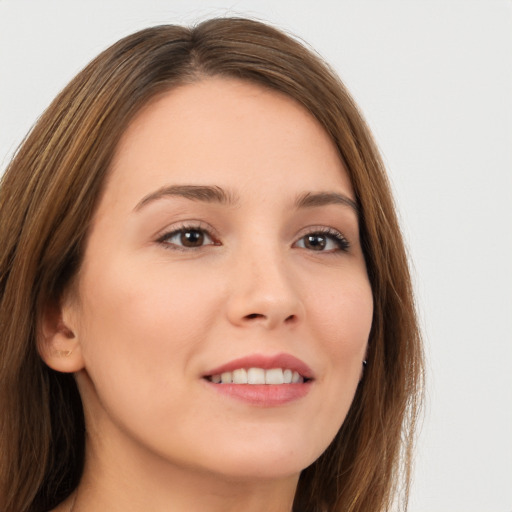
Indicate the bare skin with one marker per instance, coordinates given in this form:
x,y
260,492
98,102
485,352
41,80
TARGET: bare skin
x,y
176,284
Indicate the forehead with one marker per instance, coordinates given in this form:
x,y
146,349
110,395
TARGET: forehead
x,y
230,133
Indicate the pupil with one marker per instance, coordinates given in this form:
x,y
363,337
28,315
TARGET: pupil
x,y
192,238
315,242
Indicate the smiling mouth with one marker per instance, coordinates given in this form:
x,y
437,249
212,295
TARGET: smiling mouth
x,y
255,376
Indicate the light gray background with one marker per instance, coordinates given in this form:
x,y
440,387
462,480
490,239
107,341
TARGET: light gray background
x,y
434,80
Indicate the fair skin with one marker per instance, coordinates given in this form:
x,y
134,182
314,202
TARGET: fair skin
x,y
178,282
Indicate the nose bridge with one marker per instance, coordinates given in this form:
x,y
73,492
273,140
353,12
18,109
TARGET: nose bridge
x,y
263,290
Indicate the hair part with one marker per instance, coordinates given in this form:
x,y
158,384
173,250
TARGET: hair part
x,y
48,196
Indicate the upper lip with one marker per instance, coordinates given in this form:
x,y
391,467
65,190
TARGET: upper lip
x,y
266,362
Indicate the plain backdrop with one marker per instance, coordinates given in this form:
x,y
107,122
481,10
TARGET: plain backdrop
x,y
434,80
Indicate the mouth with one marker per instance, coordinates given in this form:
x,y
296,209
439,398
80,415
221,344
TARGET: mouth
x,y
255,376
263,380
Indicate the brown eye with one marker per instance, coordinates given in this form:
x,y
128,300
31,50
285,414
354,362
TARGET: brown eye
x,y
187,238
328,241
315,242
192,238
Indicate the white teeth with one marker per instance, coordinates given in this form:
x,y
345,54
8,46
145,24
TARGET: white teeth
x,y
240,376
274,376
226,378
258,376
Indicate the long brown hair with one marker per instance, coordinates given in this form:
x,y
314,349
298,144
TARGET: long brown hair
x,y
48,195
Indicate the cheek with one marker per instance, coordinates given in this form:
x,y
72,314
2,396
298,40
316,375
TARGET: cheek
x,y
143,325
160,301
142,330
343,312
342,323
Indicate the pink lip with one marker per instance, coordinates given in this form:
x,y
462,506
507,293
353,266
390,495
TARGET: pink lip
x,y
264,395
285,361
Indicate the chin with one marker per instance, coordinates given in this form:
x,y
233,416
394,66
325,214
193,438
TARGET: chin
x,y
275,468
274,459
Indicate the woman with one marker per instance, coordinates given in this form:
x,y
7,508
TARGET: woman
x,y
205,300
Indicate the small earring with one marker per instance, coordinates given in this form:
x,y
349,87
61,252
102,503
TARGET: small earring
x,y
365,362
63,353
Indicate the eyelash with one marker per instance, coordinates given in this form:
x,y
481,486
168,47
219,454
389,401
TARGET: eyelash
x,y
184,229
342,243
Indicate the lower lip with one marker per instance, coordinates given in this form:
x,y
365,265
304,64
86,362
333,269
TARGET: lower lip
x,y
264,395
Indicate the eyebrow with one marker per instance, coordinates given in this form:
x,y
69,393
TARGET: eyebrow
x,y
215,194
314,199
203,193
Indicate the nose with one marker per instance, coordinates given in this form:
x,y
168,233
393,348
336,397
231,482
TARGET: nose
x,y
263,292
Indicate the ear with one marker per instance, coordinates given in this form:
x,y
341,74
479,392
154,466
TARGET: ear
x,y
57,341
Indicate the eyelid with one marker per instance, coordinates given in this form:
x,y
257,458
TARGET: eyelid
x,y
191,225
343,242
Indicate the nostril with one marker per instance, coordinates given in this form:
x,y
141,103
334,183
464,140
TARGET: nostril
x,y
254,315
290,319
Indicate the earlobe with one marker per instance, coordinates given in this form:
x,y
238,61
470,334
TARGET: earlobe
x,y
57,342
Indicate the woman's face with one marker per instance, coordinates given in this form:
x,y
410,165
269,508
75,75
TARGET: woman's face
x,y
225,246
